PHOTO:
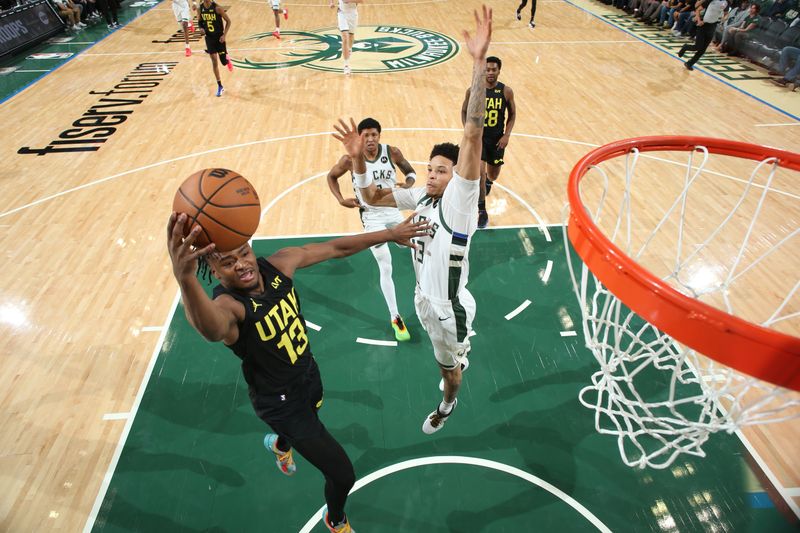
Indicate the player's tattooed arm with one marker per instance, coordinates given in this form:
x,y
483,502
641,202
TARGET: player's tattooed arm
x,y
468,165
404,166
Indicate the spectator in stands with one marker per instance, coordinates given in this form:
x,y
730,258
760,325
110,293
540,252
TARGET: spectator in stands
x,y
683,24
778,8
71,13
665,16
735,36
109,10
786,75
732,19
648,10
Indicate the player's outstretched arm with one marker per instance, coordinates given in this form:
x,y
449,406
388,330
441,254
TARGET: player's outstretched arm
x,y
405,167
469,157
340,169
353,144
216,320
288,260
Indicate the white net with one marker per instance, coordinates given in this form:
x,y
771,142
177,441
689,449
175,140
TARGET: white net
x,y
731,243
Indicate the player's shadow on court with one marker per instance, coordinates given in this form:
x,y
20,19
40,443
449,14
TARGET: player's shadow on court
x,y
137,459
564,377
119,514
207,407
364,397
544,445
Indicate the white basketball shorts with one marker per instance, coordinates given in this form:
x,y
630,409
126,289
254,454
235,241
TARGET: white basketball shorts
x,y
181,10
348,21
449,324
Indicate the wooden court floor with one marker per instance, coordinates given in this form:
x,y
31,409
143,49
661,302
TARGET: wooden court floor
x,y
87,284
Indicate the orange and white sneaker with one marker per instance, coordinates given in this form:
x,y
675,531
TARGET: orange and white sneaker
x,y
191,26
277,34
400,331
341,528
188,52
284,460
285,14
230,64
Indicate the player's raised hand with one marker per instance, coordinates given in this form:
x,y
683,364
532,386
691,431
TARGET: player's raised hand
x,y
407,230
479,43
348,135
181,252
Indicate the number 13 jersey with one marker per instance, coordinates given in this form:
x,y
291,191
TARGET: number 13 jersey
x,y
272,344
441,260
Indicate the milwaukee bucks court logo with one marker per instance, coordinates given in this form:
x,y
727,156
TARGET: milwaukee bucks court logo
x,y
376,49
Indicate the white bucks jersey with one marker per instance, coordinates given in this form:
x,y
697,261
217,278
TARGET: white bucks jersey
x,y
382,173
441,260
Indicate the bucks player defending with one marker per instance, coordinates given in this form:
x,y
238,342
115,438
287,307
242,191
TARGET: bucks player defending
x,y
347,17
381,160
444,305
496,131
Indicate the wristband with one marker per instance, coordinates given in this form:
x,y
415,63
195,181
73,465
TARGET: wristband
x,y
361,180
411,176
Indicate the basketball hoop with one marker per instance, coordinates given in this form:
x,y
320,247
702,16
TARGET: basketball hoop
x,y
692,316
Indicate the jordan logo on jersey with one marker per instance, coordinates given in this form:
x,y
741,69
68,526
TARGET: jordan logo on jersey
x,y
255,305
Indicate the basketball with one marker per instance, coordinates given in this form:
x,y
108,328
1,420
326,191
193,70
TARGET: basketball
x,y
223,203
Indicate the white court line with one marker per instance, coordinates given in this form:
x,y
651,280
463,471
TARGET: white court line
x,y
547,270
152,328
518,310
112,466
474,461
770,475
376,342
794,492
778,124
302,136
569,333
181,52
569,42
313,326
32,70
540,223
116,416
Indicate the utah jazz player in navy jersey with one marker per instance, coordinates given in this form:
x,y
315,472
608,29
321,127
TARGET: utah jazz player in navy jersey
x,y
210,19
256,312
496,130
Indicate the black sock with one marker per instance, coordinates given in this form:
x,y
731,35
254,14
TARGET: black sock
x,y
482,206
219,83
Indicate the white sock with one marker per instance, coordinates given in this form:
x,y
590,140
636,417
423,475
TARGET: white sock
x,y
445,408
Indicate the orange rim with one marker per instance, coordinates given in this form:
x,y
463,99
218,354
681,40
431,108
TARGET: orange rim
x,y
752,349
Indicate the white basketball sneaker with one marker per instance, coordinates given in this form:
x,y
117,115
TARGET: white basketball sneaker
x,y
435,421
